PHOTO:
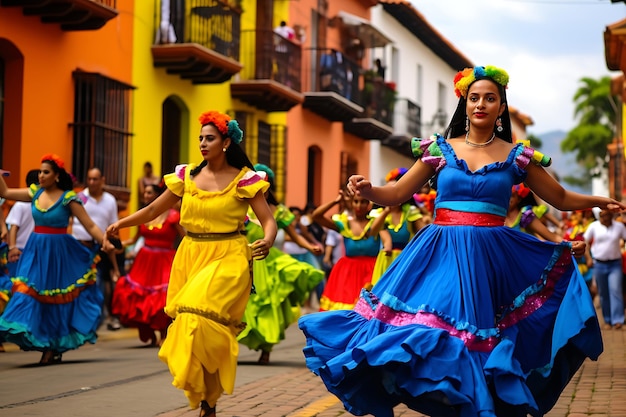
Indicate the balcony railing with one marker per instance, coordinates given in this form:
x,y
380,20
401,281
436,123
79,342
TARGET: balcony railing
x,y
72,15
378,99
271,75
331,84
199,41
407,123
339,89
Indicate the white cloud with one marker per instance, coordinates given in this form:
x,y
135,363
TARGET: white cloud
x,y
546,47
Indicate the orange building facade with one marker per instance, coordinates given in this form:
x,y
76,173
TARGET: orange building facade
x,y
65,87
325,144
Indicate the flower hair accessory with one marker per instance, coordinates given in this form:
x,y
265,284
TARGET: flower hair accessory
x,y
465,78
226,126
54,158
395,174
234,132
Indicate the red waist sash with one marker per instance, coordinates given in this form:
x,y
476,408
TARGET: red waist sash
x,y
50,230
462,218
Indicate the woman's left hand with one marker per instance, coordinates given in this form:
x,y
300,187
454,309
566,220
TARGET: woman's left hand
x,y
260,249
578,248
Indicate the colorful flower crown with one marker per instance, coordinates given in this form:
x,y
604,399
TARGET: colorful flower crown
x,y
395,174
465,78
54,158
227,126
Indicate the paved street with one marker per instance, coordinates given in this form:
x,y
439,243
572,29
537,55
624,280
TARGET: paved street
x,y
118,377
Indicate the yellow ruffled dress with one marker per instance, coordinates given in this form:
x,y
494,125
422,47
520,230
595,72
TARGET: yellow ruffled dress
x,y
209,285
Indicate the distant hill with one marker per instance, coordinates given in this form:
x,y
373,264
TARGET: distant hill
x,y
563,164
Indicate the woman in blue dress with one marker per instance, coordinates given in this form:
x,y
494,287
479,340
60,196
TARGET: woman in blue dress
x,y
474,318
55,305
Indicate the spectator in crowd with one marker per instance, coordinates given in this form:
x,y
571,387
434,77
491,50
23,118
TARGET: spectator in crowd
x,y
605,239
101,206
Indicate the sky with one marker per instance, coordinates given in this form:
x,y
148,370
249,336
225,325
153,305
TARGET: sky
x,y
546,46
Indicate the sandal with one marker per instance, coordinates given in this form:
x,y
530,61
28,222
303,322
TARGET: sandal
x,y
50,357
206,410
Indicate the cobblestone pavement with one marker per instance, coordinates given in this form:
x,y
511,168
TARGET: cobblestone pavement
x,y
597,390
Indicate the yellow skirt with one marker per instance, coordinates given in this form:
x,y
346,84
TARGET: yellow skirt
x,y
207,296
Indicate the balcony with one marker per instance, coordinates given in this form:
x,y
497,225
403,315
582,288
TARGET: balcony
x,y
199,43
271,78
332,82
407,121
72,15
377,99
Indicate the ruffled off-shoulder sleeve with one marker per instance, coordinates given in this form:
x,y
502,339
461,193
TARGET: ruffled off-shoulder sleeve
x,y
413,213
525,155
32,190
70,196
283,216
251,183
175,181
341,221
429,152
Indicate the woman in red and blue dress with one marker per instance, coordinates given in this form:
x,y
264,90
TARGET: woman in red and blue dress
x,y
55,305
139,297
473,318
353,271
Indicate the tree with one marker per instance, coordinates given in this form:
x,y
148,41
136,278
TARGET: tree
x,y
596,109
535,141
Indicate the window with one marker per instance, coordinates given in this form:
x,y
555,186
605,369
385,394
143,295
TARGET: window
x,y
271,151
101,137
349,166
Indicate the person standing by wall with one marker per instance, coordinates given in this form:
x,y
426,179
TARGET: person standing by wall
x,y
605,239
148,178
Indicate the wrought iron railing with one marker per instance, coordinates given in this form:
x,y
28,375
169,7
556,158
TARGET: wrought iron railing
x,y
330,70
109,3
266,55
210,23
407,118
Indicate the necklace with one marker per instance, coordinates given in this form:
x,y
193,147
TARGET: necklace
x,y
479,145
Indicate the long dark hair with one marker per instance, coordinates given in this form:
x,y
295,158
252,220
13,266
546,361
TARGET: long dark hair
x,y
65,182
456,127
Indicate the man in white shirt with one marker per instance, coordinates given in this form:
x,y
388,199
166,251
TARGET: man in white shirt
x,y
101,206
604,239
21,225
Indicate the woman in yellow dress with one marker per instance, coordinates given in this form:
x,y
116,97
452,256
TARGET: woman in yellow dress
x,y
210,281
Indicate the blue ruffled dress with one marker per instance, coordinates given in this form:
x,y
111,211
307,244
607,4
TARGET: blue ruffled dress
x,y
473,319
55,304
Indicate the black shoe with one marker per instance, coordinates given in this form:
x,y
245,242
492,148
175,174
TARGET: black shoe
x,y
206,410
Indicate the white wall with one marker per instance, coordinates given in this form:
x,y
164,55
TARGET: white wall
x,y
411,53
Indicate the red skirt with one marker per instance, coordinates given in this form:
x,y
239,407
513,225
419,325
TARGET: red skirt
x,y
349,275
139,297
